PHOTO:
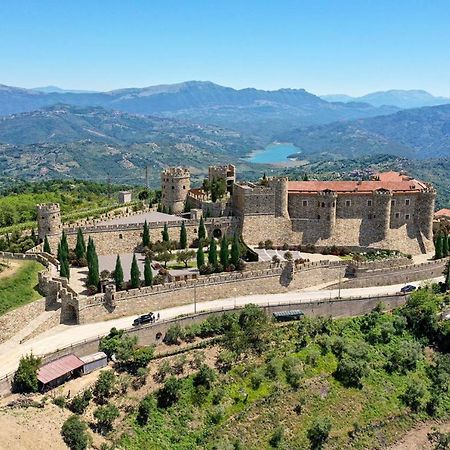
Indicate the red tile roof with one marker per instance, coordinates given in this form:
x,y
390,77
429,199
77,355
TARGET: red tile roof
x,y
392,181
442,213
61,366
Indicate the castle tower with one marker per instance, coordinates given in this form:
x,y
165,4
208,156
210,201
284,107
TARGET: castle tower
x,y
425,211
49,220
226,173
175,185
280,186
329,198
383,201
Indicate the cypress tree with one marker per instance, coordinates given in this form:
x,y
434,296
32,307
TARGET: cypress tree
x,y
165,234
212,255
146,235
135,274
235,251
148,274
183,236
118,274
444,245
47,248
200,257
58,252
438,247
33,236
201,230
93,270
63,258
224,254
80,248
64,243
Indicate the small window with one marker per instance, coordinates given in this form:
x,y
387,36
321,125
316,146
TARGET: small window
x,y
369,202
305,203
323,205
348,203
407,216
397,215
318,216
407,202
173,187
392,202
120,236
184,187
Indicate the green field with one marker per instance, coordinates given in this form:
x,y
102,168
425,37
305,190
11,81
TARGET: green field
x,y
21,287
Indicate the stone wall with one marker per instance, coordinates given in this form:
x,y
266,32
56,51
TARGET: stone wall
x,y
136,301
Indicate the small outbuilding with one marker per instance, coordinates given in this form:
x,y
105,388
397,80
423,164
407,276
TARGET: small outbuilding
x,y
124,197
59,371
283,316
94,361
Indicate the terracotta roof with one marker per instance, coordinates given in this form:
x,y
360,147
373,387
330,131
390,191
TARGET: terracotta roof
x,y
397,183
391,176
61,366
442,213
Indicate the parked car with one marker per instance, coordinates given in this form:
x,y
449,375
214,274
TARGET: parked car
x,y
145,318
408,288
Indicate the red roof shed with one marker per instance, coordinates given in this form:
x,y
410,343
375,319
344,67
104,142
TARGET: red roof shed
x,y
60,369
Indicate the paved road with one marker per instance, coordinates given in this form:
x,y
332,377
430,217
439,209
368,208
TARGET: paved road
x,y
65,335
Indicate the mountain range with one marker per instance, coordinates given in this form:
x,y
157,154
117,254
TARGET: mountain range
x,y
400,98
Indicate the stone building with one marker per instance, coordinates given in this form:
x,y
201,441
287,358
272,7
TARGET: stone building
x,y
175,185
226,172
390,211
49,220
124,197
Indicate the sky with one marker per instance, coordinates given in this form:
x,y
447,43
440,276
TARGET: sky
x,y
325,47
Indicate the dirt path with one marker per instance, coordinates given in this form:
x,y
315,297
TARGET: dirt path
x,y
11,268
417,439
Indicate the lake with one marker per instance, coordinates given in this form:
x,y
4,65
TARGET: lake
x,y
274,153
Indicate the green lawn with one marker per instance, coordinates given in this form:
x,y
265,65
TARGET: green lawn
x,y
20,288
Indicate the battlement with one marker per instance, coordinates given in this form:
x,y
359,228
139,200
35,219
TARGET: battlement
x,y
176,172
48,207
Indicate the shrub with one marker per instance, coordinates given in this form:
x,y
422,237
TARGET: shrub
x,y
216,415
74,433
173,334
255,380
105,416
318,432
204,377
276,438
60,401
225,360
404,357
268,244
146,406
105,386
164,369
350,371
414,395
293,370
80,402
25,378
170,393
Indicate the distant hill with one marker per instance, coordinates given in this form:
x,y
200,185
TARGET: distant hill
x,y
399,98
414,133
250,111
92,143
50,89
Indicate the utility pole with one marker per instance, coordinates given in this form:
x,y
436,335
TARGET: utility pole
x,y
146,176
195,299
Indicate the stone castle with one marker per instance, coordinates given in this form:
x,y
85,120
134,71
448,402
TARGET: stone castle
x,y
389,211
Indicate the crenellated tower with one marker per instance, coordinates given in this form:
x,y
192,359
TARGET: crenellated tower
x,y
49,220
175,185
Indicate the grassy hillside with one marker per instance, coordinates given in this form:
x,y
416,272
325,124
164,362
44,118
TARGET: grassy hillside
x,y
20,287
350,383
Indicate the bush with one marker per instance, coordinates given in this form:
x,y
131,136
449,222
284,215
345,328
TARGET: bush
x,y
170,393
293,370
105,386
405,357
255,380
74,433
80,402
415,394
276,438
350,371
225,360
105,416
268,244
60,401
204,377
146,406
318,432
25,378
173,334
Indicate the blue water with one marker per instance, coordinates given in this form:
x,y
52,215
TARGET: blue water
x,y
274,153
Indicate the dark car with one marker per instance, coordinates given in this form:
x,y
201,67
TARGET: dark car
x,y
145,318
408,288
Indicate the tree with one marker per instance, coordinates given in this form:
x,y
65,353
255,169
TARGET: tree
x,y
25,378
170,393
135,273
444,245
235,251
118,274
146,235
144,195
80,402
148,273
200,257
80,247
212,255
350,371
415,393
201,231
447,275
164,257
204,377
93,278
63,257
47,248
185,256
224,254
183,236
165,233
105,416
105,386
146,406
74,433
318,432
439,246
64,243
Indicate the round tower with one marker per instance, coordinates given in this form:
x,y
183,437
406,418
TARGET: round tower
x,y
280,186
49,220
383,201
175,185
328,199
424,215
